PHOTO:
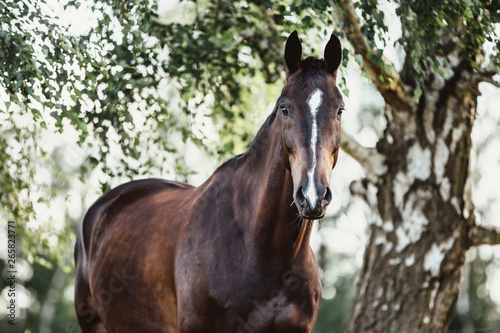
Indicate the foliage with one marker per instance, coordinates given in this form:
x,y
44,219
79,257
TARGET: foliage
x,y
473,22
110,81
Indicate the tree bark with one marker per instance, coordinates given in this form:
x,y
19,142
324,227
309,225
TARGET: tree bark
x,y
422,215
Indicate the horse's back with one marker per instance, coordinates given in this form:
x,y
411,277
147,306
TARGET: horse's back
x,y
124,233
111,203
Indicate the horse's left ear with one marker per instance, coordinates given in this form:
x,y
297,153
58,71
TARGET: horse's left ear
x,y
293,52
333,54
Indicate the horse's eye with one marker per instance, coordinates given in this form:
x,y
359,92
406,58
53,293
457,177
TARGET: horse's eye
x,y
339,113
284,110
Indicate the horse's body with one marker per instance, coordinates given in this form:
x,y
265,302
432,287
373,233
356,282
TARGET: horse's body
x,y
231,255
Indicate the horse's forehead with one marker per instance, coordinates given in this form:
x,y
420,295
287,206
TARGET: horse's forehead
x,y
301,86
311,95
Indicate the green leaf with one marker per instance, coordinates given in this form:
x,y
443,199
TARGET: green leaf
x,y
417,93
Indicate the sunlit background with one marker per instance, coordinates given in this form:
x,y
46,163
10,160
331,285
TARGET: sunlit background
x,y
45,295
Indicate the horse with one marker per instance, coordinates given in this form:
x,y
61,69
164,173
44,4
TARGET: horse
x,y
233,254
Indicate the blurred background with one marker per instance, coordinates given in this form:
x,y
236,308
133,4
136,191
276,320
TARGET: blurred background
x,y
66,167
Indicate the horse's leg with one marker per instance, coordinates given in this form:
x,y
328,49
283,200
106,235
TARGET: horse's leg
x,y
87,316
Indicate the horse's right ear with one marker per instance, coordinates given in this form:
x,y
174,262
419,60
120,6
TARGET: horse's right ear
x,y
293,52
333,54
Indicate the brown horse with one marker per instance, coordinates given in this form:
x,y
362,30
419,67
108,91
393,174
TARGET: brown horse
x,y
233,254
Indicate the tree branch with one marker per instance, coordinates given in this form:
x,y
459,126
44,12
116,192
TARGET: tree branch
x,y
278,47
270,77
389,84
484,235
372,161
245,35
486,75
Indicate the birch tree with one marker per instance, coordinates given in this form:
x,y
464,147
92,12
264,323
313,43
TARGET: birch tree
x,y
424,218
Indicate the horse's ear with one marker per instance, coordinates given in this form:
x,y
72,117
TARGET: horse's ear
x,y
293,52
333,54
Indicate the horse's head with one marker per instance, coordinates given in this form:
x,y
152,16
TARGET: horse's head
x,y
311,107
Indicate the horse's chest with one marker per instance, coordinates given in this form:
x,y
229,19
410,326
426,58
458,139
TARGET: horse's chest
x,y
293,308
286,302
230,291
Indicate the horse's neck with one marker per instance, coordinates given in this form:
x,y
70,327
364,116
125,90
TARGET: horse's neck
x,y
274,219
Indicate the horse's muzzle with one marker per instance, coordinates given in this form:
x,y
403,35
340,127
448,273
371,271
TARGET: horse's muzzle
x,y
312,208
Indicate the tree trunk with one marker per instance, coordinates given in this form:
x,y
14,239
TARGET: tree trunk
x,y
422,213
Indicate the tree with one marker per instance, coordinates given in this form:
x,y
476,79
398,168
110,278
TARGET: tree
x,y
424,215
417,181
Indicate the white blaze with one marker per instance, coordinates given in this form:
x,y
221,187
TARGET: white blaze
x,y
314,101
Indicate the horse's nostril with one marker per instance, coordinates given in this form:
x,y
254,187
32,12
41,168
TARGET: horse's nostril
x,y
328,196
300,197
